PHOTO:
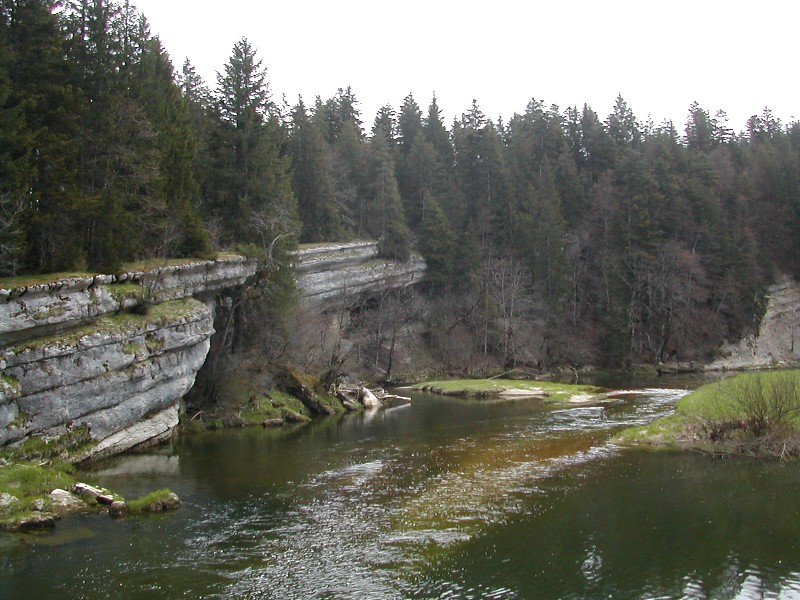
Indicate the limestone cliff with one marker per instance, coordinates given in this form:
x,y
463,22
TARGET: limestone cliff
x,y
38,309
69,358
777,342
73,354
327,272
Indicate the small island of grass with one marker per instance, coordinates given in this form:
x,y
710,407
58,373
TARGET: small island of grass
x,y
38,485
756,414
511,389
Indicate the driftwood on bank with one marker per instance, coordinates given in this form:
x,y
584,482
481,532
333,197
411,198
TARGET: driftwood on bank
x,y
101,496
357,396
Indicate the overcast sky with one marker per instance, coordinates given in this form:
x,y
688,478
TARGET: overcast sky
x,y
731,55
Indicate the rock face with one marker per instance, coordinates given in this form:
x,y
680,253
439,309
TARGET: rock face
x,y
70,356
330,272
121,377
67,360
777,342
41,309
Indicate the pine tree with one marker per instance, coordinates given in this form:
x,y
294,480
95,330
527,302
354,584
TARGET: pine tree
x,y
542,235
313,181
436,133
41,120
437,245
177,229
251,175
384,211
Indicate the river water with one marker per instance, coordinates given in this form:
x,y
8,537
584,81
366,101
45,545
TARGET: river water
x,y
445,498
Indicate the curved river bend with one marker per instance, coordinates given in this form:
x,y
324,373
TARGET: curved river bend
x,y
446,498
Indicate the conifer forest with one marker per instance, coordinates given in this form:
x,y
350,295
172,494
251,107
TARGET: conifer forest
x,y
559,236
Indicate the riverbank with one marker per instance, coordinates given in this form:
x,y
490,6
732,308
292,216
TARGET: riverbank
x,y
39,485
754,414
509,389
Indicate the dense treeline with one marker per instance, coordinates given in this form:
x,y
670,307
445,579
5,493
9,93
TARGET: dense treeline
x,y
559,236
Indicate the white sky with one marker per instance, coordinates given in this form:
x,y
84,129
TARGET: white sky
x,y
661,56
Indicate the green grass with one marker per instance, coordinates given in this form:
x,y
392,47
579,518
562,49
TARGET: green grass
x,y
668,431
22,281
59,451
275,405
495,388
159,314
157,501
124,291
713,401
259,410
29,482
721,407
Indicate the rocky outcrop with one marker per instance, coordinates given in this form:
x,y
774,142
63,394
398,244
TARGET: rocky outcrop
x,y
777,342
70,357
114,354
328,272
121,377
38,309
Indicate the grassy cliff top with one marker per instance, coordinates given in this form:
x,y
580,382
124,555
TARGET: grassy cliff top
x,y
22,281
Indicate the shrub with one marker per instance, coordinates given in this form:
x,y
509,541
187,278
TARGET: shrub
x,y
765,401
756,415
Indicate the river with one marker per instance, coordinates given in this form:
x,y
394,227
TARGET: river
x,y
445,498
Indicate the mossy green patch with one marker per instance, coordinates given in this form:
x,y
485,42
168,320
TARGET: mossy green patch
x,y
133,349
122,323
10,381
154,502
332,402
153,343
193,426
23,281
31,480
126,291
28,482
59,451
260,410
52,313
20,420
668,431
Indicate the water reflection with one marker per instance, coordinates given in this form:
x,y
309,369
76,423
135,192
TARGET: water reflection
x,y
442,499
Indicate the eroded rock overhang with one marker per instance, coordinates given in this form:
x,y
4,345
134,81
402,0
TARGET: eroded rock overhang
x,y
332,272
70,357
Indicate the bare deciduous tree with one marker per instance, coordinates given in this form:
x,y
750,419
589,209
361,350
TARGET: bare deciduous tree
x,y
11,234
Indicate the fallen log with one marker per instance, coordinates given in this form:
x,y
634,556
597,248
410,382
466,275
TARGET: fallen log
x,y
388,397
101,496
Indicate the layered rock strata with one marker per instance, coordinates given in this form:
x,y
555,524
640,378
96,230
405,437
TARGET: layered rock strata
x,y
41,309
777,342
71,357
345,271
121,377
72,354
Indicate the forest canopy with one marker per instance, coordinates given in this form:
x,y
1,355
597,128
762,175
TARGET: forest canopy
x,y
635,239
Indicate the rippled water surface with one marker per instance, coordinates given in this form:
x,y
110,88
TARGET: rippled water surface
x,y
441,499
